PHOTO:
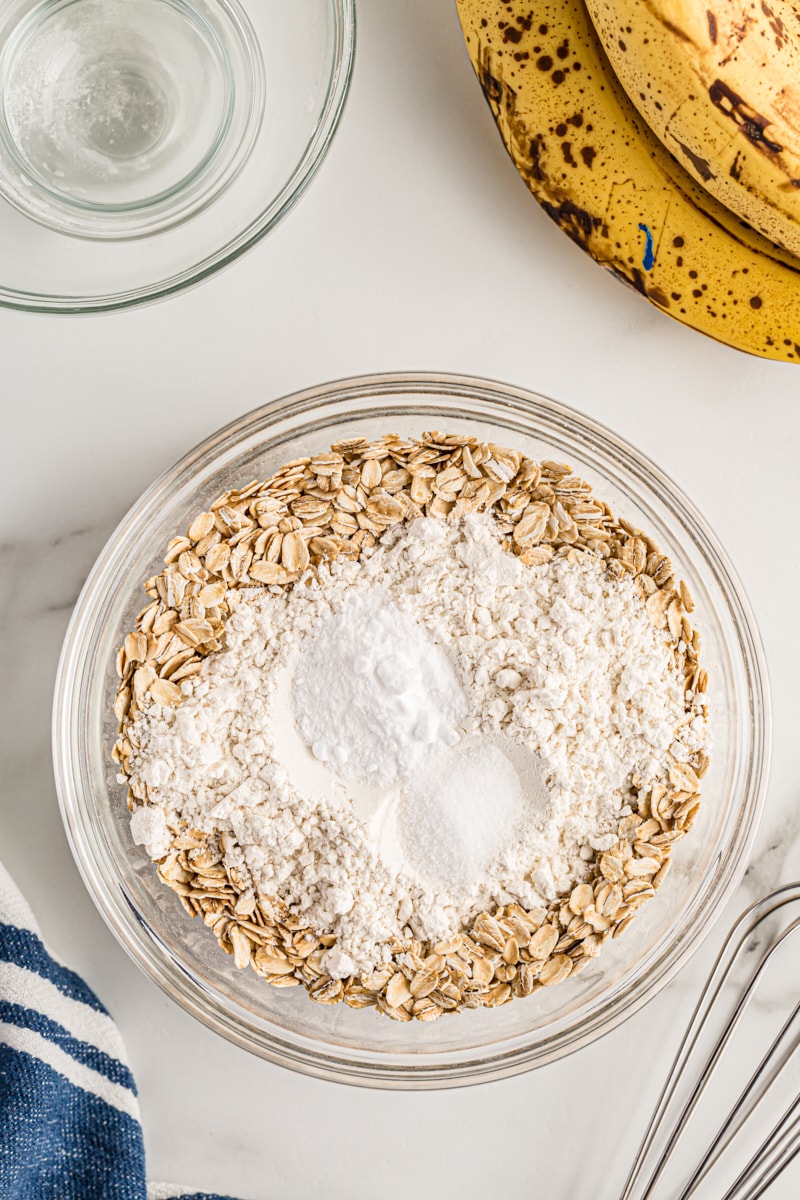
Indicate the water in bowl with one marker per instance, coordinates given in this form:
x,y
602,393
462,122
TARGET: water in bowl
x,y
123,117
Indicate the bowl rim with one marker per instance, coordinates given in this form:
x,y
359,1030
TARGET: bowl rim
x,y
314,153
401,1071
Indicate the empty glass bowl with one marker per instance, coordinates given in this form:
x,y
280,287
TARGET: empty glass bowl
x,y
146,143
337,1042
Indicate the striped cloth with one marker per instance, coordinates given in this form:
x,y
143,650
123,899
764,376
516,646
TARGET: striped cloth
x,y
69,1113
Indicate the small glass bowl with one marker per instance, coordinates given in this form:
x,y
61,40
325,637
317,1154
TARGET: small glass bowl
x,y
145,144
123,118
362,1047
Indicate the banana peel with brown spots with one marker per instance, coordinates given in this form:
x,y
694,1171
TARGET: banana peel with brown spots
x,y
719,85
603,176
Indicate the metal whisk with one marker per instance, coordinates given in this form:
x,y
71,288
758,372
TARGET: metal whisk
x,y
756,976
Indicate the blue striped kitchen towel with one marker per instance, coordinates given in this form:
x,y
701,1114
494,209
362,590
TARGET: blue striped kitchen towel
x,y
69,1114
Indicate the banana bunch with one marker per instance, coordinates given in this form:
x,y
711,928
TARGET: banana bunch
x,y
602,174
719,84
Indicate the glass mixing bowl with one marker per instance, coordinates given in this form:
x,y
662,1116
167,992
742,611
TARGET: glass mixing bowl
x,y
337,1042
145,144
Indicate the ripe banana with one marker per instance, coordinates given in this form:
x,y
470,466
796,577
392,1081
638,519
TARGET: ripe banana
x,y
603,176
719,84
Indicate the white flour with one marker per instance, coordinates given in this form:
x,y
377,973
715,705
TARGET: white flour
x,y
478,729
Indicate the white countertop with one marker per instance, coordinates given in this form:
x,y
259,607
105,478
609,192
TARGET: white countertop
x,y
417,247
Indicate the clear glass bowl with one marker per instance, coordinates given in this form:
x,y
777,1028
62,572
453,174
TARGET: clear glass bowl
x,y
360,1046
145,144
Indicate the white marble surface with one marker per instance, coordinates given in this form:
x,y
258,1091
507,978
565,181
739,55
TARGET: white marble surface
x,y
416,248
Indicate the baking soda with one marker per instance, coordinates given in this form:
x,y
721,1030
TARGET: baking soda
x,y
374,694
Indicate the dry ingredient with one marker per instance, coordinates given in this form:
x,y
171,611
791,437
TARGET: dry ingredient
x,y
372,693
430,693
519,654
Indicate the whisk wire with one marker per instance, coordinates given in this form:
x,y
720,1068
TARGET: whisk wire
x,y
672,1115
759,1082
